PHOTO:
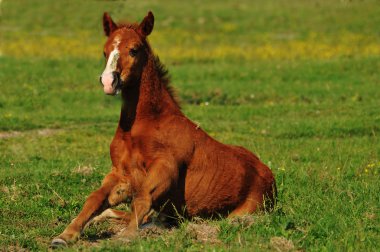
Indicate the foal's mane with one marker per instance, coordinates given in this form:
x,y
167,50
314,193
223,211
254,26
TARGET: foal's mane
x,y
162,71
163,75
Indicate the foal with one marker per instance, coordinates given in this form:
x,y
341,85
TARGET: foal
x,y
160,159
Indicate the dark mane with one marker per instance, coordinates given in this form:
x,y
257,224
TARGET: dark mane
x,y
164,76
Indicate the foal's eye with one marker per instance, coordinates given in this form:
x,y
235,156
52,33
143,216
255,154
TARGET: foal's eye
x,y
133,52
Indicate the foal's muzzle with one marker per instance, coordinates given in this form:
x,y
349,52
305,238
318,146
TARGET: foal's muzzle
x,y
111,82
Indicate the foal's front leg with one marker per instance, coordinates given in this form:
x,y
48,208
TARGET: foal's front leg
x,y
120,193
109,213
94,205
161,176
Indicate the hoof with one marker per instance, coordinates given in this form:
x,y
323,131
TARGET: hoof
x,y
58,243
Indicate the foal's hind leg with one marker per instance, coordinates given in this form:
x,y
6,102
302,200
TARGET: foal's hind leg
x,y
249,206
97,202
260,197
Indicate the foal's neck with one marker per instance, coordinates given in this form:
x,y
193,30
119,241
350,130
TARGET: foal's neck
x,y
147,99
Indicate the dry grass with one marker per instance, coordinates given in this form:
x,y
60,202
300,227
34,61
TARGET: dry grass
x,y
203,232
84,170
281,244
39,132
243,221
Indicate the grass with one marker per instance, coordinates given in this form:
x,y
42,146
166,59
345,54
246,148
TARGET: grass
x,y
295,82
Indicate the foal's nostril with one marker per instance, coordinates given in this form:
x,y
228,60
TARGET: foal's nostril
x,y
116,78
100,80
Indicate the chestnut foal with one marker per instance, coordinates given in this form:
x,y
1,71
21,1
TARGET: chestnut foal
x,y
160,159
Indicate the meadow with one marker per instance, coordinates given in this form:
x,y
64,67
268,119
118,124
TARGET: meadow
x,y
296,82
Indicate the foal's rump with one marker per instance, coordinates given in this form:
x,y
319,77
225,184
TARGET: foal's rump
x,y
263,183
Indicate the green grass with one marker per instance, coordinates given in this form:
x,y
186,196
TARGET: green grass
x,y
296,82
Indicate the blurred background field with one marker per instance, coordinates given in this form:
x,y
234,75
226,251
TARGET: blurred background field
x,y
296,82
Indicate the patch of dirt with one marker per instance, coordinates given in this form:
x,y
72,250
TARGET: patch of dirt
x,y
48,132
281,244
370,216
12,192
5,135
115,226
151,230
5,189
14,248
148,230
243,221
39,132
203,233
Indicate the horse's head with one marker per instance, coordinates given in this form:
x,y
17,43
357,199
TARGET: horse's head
x,y
126,52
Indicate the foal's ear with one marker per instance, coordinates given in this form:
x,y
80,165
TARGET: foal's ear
x,y
146,26
108,24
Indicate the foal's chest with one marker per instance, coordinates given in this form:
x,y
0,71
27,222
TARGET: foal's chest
x,y
133,149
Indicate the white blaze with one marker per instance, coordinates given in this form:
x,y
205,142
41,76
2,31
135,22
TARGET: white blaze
x,y
107,77
112,61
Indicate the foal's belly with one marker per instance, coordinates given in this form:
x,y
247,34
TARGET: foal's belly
x,y
213,192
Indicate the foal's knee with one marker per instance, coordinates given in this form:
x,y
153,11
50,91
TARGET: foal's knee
x,y
120,193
